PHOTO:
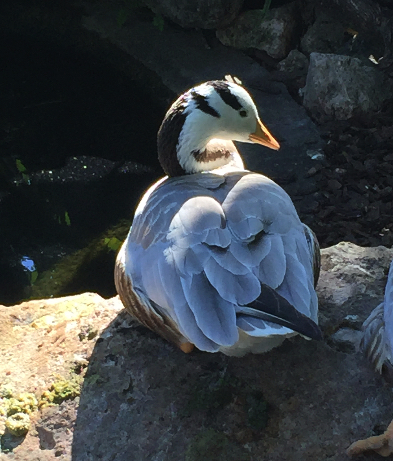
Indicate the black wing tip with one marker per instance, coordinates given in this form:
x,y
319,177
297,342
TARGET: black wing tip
x,y
275,308
305,327
316,333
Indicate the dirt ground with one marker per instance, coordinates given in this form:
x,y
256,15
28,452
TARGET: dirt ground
x,y
355,198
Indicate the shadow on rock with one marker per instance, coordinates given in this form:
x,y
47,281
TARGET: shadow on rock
x,y
142,399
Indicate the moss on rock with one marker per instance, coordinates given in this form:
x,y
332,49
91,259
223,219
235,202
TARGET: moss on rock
x,y
18,424
56,281
61,390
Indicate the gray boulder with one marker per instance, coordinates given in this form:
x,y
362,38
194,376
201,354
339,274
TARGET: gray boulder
x,y
272,32
295,63
340,87
326,35
142,399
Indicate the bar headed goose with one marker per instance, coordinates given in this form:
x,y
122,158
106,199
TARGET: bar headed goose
x,y
377,344
217,257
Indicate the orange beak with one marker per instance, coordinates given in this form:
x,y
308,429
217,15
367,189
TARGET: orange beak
x,y
262,136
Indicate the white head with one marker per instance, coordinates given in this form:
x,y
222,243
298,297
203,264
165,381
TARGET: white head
x,y
216,109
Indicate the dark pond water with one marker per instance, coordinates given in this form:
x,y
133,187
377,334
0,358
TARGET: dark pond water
x,y
77,148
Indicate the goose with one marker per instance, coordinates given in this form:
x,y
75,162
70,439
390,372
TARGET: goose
x,y
217,257
377,344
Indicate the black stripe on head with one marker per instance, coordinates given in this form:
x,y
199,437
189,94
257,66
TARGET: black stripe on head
x,y
203,105
168,137
222,88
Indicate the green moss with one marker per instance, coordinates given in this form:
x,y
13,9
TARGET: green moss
x,y
18,424
6,391
54,282
88,333
16,410
93,379
61,390
211,445
25,402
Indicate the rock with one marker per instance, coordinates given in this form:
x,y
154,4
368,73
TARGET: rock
x,y
143,399
346,339
295,63
333,184
292,71
40,339
203,14
340,87
359,277
326,35
272,31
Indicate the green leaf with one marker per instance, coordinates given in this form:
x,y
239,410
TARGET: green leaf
x,y
67,219
266,6
20,166
26,178
112,243
33,277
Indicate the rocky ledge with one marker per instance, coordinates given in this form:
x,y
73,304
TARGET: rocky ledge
x,y
90,383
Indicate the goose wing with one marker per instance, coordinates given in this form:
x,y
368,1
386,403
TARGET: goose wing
x,y
377,341
203,248
278,249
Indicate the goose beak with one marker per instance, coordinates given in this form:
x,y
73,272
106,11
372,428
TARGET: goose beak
x,y
262,136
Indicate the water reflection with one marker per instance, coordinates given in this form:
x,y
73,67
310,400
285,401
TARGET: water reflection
x,y
29,267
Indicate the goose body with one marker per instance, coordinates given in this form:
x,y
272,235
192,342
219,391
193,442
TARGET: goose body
x,y
377,344
217,256
377,341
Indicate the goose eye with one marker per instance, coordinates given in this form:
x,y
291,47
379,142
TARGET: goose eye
x,y
243,113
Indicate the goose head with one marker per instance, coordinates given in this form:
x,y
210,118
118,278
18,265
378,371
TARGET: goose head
x,y
213,111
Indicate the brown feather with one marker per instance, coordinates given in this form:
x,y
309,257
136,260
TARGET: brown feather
x,y
145,314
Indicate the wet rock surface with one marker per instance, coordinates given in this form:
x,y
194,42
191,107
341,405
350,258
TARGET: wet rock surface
x,y
143,399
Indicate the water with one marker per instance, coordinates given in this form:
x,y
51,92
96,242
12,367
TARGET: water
x,y
77,148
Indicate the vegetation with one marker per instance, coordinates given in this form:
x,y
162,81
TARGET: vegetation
x,y
61,390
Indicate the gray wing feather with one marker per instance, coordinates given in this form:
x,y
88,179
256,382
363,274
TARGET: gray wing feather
x,y
373,342
237,289
377,341
215,316
388,311
272,270
202,246
313,251
188,327
252,254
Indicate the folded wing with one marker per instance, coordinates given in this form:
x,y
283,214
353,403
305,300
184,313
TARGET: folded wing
x,y
218,253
